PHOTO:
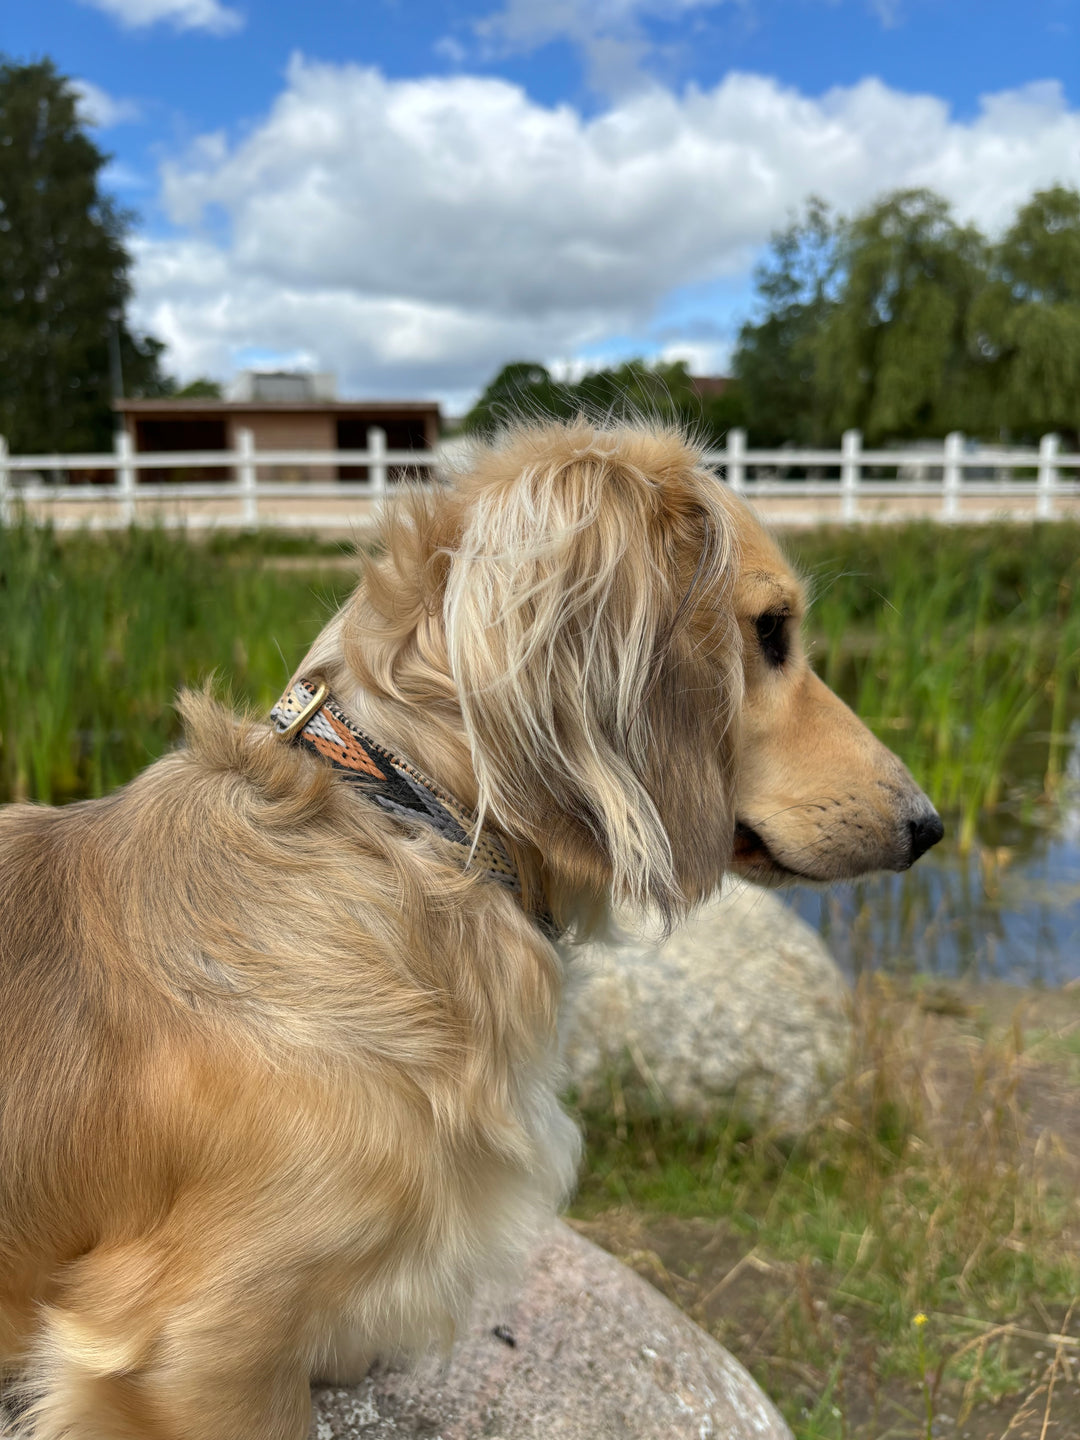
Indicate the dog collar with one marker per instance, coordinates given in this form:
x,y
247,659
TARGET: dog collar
x,y
308,715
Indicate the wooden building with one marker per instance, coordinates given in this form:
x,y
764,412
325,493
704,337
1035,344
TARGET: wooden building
x,y
304,425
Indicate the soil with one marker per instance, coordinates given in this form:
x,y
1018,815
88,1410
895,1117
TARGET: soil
x,y
748,1299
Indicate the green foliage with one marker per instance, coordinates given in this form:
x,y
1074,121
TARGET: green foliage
x,y
891,358
1027,320
200,389
971,683
902,323
63,274
98,634
961,647
659,392
774,361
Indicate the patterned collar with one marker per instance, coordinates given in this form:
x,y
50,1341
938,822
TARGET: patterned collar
x,y
309,716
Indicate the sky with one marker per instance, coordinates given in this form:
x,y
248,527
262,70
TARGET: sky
x,y
411,193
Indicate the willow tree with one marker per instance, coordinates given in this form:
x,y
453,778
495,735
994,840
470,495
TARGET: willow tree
x,y
64,270
1027,321
893,357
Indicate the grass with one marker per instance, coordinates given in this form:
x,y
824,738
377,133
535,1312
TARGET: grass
x,y
920,1193
97,635
961,647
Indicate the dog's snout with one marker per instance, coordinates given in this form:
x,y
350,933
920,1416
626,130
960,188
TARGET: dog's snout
x,y
925,830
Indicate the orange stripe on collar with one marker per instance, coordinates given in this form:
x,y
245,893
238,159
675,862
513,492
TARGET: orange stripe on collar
x,y
309,716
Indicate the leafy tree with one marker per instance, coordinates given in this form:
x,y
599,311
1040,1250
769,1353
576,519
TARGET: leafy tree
x,y
901,322
1026,322
892,357
63,274
663,391
521,389
200,389
774,359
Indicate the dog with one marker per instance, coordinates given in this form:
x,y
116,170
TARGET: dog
x,y
279,1068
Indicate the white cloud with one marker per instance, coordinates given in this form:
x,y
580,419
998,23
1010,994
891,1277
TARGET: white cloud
x,y
415,235
701,357
612,35
207,15
620,41
97,107
450,49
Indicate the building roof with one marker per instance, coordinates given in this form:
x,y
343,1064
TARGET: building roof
x,y
274,407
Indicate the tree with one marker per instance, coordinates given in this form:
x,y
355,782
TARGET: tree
x,y
522,389
663,391
199,389
774,359
892,357
1026,323
63,275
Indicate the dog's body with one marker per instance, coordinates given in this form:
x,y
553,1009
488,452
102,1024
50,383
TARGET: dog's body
x,y
277,1076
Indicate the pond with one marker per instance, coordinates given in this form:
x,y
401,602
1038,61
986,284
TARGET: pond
x,y
1008,909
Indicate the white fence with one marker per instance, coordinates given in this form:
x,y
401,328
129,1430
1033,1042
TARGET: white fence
x,y
953,482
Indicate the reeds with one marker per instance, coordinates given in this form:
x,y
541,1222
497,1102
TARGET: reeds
x,y
97,635
960,647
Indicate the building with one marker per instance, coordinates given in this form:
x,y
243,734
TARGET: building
x,y
282,412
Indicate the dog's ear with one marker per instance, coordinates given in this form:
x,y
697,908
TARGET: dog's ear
x,y
597,708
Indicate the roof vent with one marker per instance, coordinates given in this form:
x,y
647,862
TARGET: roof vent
x,y
282,387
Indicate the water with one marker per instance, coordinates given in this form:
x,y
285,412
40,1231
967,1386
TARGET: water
x,y
1008,910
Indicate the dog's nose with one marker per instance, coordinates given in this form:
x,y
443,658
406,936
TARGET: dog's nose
x,y
925,830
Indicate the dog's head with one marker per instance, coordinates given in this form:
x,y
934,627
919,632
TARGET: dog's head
x,y
619,643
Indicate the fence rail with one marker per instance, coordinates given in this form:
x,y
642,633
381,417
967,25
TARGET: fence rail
x,y
954,482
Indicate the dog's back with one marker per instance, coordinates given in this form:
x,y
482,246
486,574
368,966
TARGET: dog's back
x,y
68,1055
218,1119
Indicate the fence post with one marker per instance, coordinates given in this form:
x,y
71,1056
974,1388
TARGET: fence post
x,y
245,478
376,444
125,476
850,474
1049,446
5,509
951,475
736,466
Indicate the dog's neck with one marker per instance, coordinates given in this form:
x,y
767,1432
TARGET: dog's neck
x,y
309,715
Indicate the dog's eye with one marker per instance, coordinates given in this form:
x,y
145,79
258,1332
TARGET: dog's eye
x,y
772,637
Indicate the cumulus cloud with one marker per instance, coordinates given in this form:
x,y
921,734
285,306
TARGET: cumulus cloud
x,y
97,107
208,15
414,235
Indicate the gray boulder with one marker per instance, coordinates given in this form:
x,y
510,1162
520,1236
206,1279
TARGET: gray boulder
x,y
743,1004
588,1352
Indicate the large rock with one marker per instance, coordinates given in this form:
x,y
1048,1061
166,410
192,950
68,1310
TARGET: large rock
x,y
742,1004
588,1352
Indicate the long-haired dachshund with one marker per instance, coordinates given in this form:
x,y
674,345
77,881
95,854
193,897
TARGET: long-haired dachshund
x,y
278,1059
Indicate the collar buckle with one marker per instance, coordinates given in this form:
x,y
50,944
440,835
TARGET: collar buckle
x,y
297,723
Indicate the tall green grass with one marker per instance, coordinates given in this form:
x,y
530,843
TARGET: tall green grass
x,y
960,647
97,635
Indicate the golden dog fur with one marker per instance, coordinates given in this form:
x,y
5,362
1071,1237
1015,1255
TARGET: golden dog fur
x,y
277,1078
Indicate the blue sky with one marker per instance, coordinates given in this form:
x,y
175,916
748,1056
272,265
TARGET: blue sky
x,y
411,193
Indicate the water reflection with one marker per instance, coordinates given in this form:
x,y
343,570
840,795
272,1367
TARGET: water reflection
x,y
1008,910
